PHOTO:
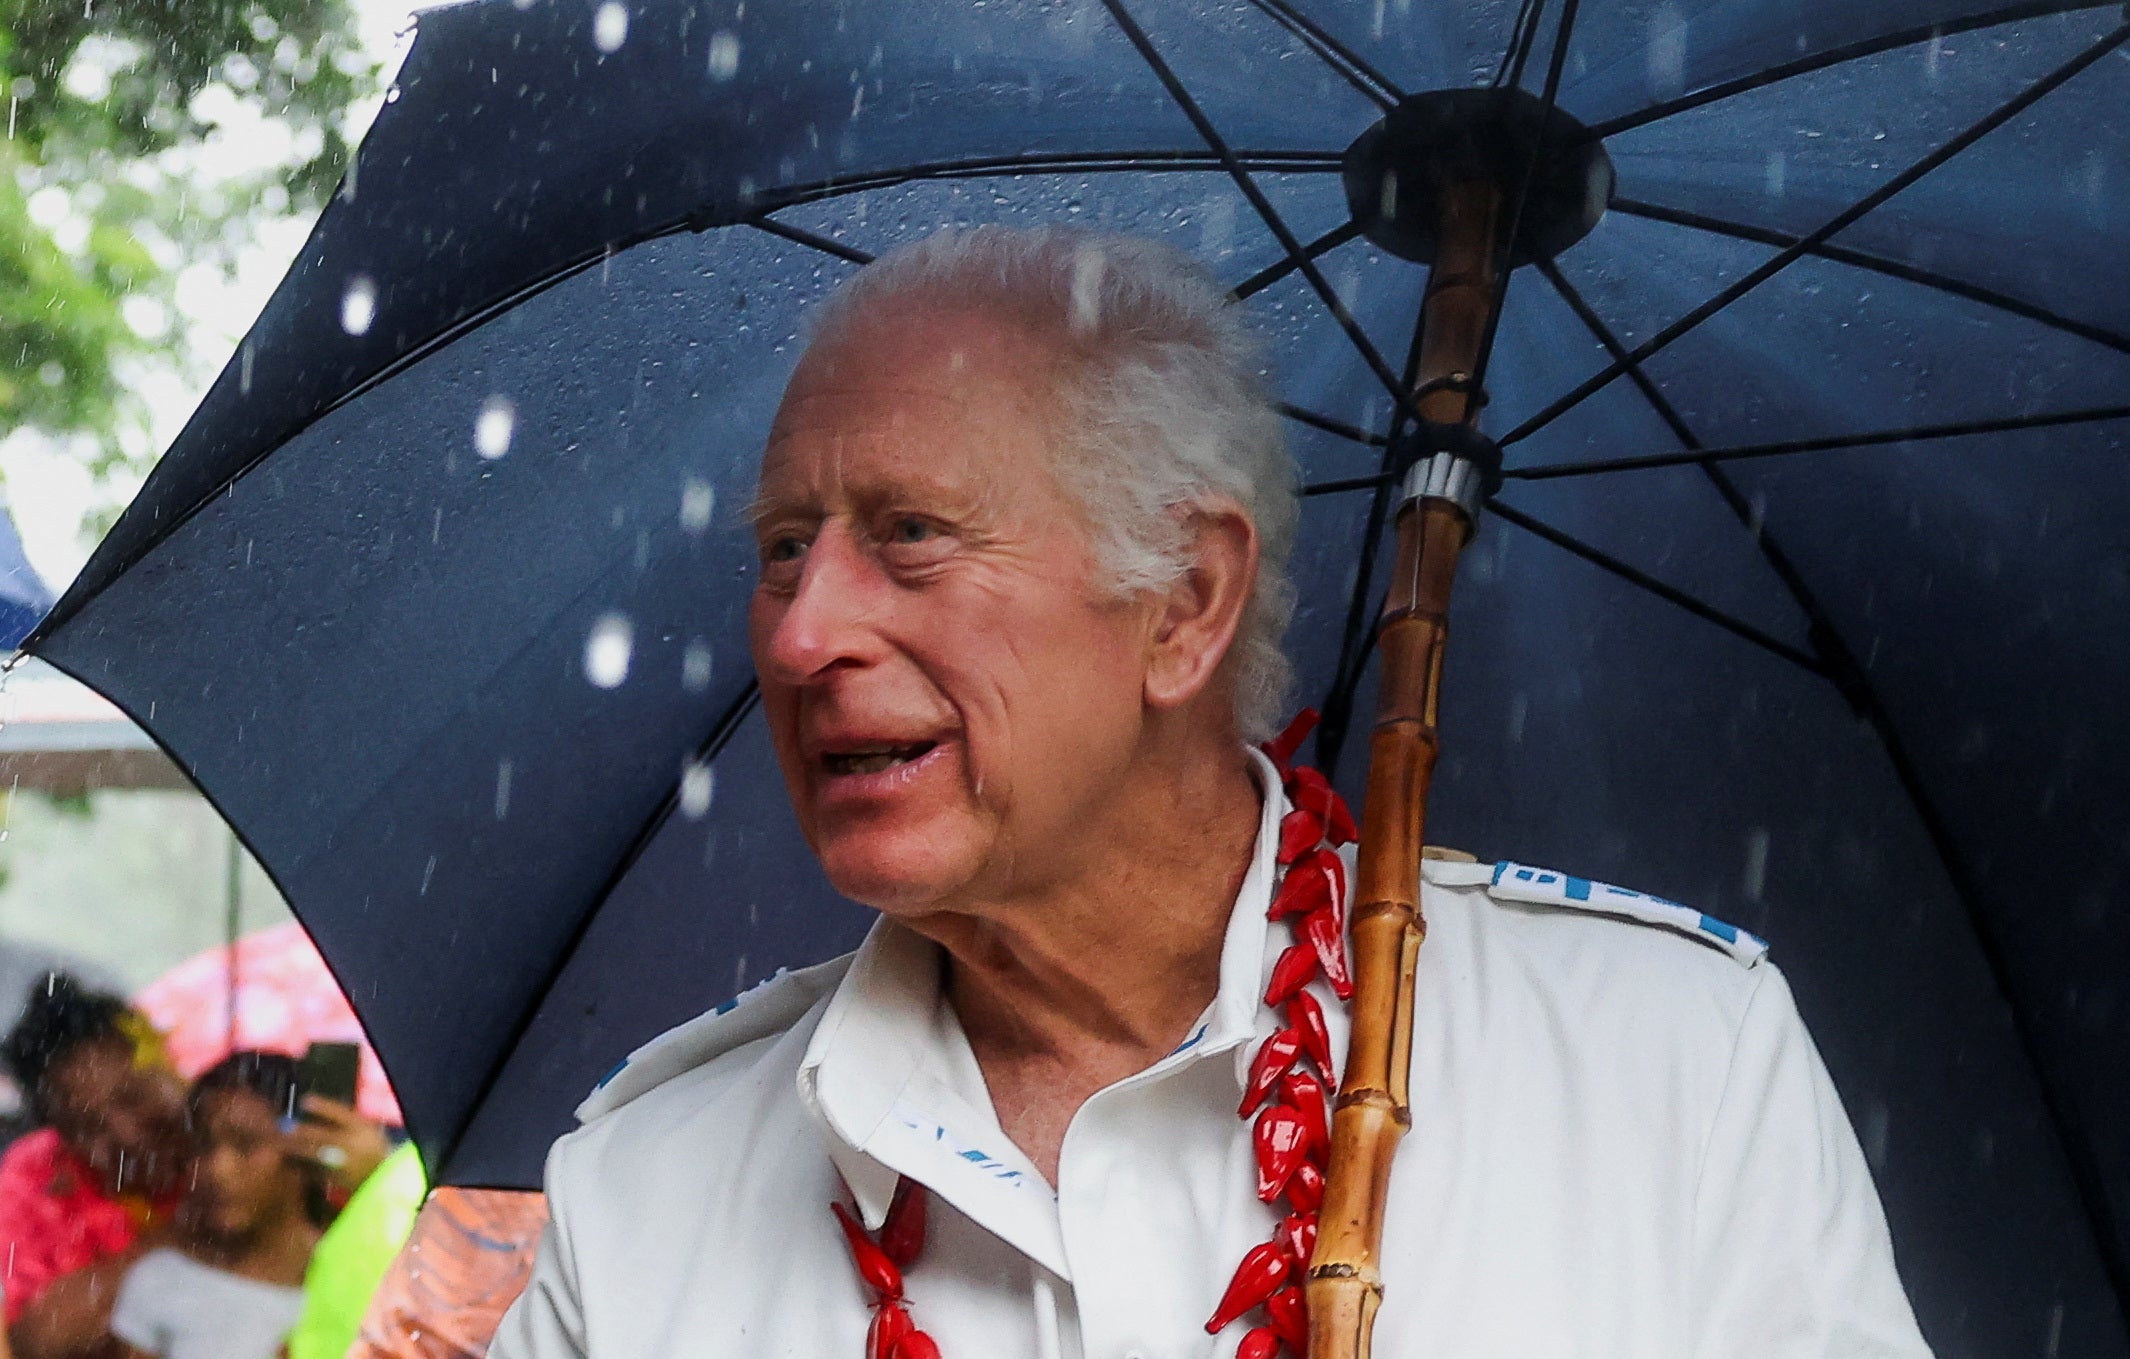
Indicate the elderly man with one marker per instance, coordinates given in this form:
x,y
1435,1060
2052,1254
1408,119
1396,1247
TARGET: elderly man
x,y
1024,518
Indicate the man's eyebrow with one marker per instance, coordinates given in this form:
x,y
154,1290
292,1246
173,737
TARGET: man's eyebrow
x,y
764,504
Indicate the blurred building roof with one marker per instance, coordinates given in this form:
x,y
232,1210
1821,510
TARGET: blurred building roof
x,y
59,736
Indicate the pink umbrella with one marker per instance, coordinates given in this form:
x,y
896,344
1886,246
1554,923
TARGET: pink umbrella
x,y
286,1000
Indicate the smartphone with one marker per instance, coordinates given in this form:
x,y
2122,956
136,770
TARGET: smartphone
x,y
329,1069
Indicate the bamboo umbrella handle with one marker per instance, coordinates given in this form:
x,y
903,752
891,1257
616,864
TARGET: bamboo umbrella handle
x,y
1442,494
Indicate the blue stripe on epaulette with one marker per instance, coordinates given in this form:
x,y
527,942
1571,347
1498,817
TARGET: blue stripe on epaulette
x,y
1519,882
619,1067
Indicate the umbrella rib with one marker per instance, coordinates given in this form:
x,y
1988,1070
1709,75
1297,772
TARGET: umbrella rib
x,y
1505,249
721,734
1301,415
1839,665
1833,443
1989,123
1349,64
1074,163
1249,287
1877,264
1256,196
1316,249
812,240
1835,56
1344,484
1642,580
1523,36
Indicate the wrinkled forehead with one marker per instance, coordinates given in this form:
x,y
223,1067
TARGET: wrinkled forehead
x,y
920,393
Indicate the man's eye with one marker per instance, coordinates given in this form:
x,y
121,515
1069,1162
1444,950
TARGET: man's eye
x,y
779,550
912,530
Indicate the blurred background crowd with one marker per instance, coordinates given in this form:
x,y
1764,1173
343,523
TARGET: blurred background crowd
x,y
265,1206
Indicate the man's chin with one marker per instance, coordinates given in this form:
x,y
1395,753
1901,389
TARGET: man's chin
x,y
893,874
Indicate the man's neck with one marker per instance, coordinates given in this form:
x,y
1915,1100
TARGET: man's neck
x,y
1101,978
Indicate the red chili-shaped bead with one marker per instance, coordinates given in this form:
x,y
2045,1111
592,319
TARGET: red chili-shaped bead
x,y
1308,789
1305,1094
1339,827
1289,1315
1297,895
879,1272
1316,879
1276,1057
1296,1235
902,1235
1281,748
1299,832
1322,929
1258,1277
890,1324
1291,973
1306,1190
1306,1018
1261,1343
1282,1142
916,1345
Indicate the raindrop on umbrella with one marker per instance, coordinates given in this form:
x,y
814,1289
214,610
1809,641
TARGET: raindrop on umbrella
x,y
493,427
1667,52
696,784
724,55
1756,863
358,305
697,502
695,666
606,651
610,26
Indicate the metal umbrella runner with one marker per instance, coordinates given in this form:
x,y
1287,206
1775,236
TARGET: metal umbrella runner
x,y
1800,599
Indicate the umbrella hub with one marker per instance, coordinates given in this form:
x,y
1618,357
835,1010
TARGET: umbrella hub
x,y
1405,174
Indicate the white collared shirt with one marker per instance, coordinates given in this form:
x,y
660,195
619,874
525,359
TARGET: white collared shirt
x,y
1623,1144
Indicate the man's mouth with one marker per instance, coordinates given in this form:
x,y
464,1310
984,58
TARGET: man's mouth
x,y
874,759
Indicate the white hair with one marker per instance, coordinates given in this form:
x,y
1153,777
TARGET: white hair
x,y
1163,402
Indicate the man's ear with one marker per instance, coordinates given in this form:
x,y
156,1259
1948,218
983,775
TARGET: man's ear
x,y
1197,617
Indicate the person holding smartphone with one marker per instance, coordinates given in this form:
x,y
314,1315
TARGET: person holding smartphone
x,y
325,1129
227,1282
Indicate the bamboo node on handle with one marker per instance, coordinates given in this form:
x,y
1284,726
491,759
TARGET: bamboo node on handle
x,y
1379,1099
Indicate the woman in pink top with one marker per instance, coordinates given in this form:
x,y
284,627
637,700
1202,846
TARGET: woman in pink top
x,y
107,1164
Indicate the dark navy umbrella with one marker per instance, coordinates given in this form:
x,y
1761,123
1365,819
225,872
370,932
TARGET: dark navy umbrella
x,y
1804,600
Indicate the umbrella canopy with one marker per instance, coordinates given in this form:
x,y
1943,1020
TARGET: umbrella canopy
x,y
284,1000
1802,603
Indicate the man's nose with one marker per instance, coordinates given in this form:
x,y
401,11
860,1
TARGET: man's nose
x,y
826,622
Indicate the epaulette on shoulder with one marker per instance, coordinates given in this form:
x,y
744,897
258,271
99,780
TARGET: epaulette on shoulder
x,y
1547,887
771,1007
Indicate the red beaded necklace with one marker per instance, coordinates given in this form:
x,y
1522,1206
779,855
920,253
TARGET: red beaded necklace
x,y
1289,1091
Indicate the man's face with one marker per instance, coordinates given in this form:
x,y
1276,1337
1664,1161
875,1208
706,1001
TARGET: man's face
x,y
946,679
127,1121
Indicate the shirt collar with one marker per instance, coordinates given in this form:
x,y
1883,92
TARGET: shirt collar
x,y
891,1079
